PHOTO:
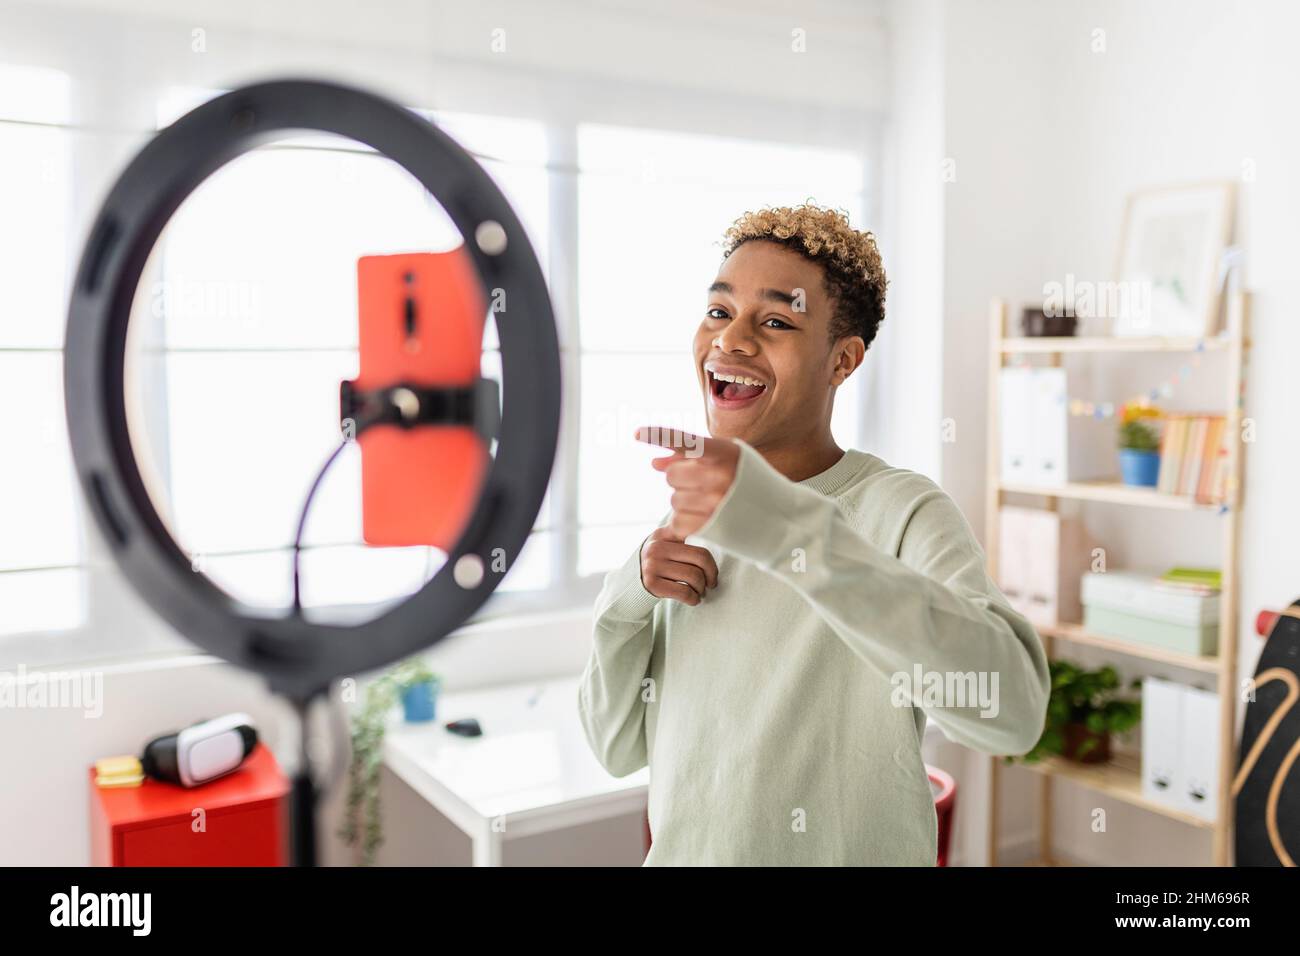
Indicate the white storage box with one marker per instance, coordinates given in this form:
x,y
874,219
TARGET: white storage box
x,y
1200,752
1163,779
1040,443
1041,556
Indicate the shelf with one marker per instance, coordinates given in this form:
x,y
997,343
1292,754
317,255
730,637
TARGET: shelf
x,y
1121,779
1075,634
1069,343
1113,492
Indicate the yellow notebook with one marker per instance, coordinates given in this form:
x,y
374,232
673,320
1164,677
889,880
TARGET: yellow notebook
x,y
122,771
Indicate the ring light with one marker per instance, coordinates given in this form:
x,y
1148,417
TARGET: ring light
x,y
300,657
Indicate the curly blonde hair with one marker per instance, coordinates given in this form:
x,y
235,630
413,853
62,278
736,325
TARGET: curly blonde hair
x,y
855,276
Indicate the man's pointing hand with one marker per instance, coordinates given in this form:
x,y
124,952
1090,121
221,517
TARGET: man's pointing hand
x,y
700,472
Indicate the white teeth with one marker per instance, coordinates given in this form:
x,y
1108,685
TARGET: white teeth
x,y
739,379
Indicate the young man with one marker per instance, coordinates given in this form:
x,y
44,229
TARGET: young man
x,y
774,648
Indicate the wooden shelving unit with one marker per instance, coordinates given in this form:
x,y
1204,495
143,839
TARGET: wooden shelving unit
x,y
1121,779
1075,634
1049,345
1113,492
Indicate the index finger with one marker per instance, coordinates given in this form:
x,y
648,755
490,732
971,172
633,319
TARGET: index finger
x,y
684,444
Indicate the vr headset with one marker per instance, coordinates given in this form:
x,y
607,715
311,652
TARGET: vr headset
x,y
203,752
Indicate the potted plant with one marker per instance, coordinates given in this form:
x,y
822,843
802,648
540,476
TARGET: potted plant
x,y
416,686
1139,446
1085,708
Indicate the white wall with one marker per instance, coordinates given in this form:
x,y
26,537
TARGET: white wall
x,y
1048,137
689,45
905,366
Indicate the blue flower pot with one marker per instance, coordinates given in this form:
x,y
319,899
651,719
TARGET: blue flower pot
x,y
1139,467
420,702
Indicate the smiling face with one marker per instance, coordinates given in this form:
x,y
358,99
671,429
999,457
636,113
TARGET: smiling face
x,y
767,367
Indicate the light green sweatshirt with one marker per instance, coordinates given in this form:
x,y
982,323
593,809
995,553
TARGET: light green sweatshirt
x,y
782,717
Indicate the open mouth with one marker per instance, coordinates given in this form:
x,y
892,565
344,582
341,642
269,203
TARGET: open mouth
x,y
732,389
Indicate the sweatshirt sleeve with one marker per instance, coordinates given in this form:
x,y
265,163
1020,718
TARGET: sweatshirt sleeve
x,y
932,607
611,700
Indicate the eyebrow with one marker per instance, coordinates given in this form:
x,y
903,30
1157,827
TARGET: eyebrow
x,y
774,295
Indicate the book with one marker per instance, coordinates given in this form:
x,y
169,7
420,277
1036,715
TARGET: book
x,y
1202,577
1193,460
1219,491
1168,445
1195,454
1170,454
1209,464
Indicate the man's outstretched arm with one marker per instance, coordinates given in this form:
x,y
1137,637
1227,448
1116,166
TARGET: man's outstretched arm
x,y
934,605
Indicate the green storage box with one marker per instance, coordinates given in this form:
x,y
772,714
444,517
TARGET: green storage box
x,y
1143,609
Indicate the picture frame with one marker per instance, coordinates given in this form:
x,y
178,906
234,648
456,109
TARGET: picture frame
x,y
1171,249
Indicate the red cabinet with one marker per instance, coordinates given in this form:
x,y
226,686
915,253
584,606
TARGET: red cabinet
x,y
237,820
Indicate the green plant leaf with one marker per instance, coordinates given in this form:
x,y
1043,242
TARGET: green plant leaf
x,y
363,819
1139,436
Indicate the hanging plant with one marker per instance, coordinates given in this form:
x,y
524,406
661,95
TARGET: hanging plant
x,y
362,821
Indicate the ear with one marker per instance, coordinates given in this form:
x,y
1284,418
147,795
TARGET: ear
x,y
848,353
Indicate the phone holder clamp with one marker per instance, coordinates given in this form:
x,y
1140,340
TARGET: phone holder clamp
x,y
408,405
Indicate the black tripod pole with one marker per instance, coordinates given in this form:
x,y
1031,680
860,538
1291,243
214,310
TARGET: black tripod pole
x,y
302,798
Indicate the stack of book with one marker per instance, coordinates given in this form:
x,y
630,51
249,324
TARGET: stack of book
x,y
1193,457
1203,580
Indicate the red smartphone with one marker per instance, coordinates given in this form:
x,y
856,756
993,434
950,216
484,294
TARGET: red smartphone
x,y
421,322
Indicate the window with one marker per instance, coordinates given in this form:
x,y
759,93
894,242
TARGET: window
x,y
246,322
41,578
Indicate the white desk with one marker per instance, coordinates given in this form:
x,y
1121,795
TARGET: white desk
x,y
531,771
